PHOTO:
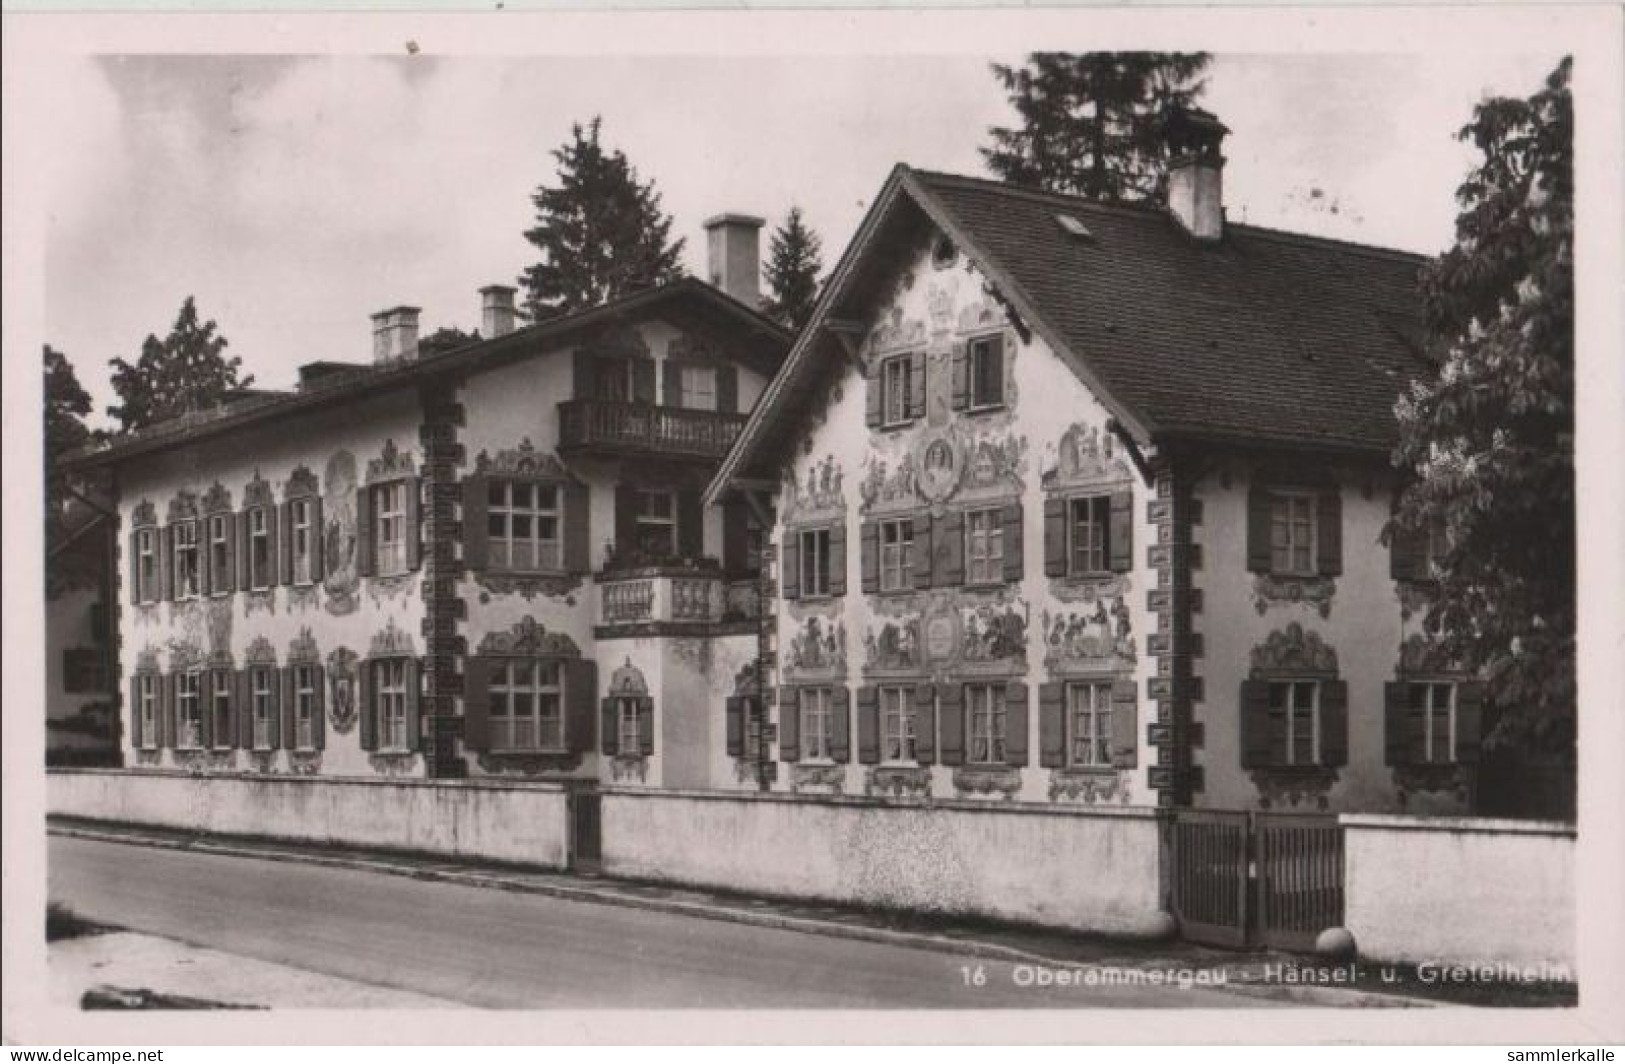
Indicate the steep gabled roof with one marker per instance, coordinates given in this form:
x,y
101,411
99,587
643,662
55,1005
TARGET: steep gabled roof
x,y
688,303
1264,338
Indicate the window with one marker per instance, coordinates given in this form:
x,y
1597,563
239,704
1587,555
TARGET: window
x,y
1298,701
259,548
259,695
984,704
184,536
306,679
220,708
896,399
188,711
389,528
219,555
301,523
1088,529
389,683
815,723
146,565
526,706
146,696
987,372
657,522
755,541
699,388
815,563
984,546
626,720
1089,713
612,379
523,521
1292,533
897,722
1436,702
896,555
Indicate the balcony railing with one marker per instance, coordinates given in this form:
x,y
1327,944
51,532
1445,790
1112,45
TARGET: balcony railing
x,y
602,424
643,596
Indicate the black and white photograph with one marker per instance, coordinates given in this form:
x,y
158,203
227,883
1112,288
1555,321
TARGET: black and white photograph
x,y
1083,526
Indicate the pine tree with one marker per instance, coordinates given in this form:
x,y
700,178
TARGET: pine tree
x,y
601,232
1487,446
185,371
1091,124
795,260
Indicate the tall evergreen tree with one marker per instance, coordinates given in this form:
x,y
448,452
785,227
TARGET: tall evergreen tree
x,y
66,405
795,260
601,231
1487,446
185,371
1091,124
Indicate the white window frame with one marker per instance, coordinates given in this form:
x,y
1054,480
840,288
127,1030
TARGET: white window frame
x,y
899,725
1430,710
219,536
1293,512
814,706
503,511
146,564
189,690
1089,723
814,557
301,551
216,676
646,521
305,680
260,562
985,724
390,694
896,387
897,554
696,397
185,561
1097,509
527,705
627,731
977,350
984,547
146,694
1293,709
389,527
260,681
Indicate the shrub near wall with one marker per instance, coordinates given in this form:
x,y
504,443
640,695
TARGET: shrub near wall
x,y
1081,869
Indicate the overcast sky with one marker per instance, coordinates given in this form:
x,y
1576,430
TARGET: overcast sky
x,y
295,196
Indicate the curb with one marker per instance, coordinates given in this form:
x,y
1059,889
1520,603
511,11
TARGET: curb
x,y
885,936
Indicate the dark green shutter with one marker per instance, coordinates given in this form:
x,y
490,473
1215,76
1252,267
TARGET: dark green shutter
x,y
1125,733
1334,723
318,541
245,710
1397,733
840,724
961,375
869,556
1054,536
789,724
414,709
133,560
580,704
609,732
1258,529
577,528
1121,532
646,726
1052,725
1257,748
924,530
948,550
1015,723
244,550
868,725
318,712
916,387
368,707
790,565
413,523
287,684
477,702
1469,721
1011,533
1329,541
951,723
137,736
365,559
476,522
925,723
872,413
837,560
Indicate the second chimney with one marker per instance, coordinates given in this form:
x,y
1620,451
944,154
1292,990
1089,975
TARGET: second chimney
x,y
497,312
395,334
733,244
1196,172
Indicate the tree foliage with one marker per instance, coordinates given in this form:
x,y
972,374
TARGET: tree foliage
x,y
794,262
1091,123
1486,446
601,232
185,371
66,406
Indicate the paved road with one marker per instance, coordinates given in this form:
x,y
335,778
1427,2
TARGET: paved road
x,y
494,948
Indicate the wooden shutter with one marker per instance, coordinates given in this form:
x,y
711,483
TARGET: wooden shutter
x,y
580,704
281,707
133,559
245,709
626,518
137,737
733,716
365,558
1329,540
1125,733
1014,556
924,528
646,726
961,375
837,560
413,523
205,557
1015,723
205,703
228,578
318,716
577,528
477,701
872,396
1121,532
318,541
282,543
414,709
734,538
916,386
1054,536
789,724
643,381
369,706
1469,721
1258,529
727,390
1408,555
287,682
1400,737
790,565
609,732
868,725
840,724
690,523
869,556
925,723
164,542
583,386
671,382
1258,748
245,550
951,723
1052,725
948,550
476,522
166,710
1334,722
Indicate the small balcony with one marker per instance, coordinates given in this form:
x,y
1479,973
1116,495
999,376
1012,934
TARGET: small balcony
x,y
615,427
679,595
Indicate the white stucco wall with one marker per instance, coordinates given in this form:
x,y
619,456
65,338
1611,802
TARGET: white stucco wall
x,y
1092,870
1462,891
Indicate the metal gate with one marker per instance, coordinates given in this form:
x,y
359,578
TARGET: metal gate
x,y
586,831
1268,879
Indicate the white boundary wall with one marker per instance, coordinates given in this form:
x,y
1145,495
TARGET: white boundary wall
x,y
513,822
1082,869
1458,890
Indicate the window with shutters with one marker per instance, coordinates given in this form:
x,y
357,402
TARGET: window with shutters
x,y
188,710
815,723
1292,533
1298,703
184,556
986,372
306,687
524,522
814,562
626,726
220,707
389,528
1436,704
301,523
699,388
656,520
146,565
1089,724
896,394
1089,535
897,555
259,550
259,700
984,712
389,697
146,708
219,554
897,723
527,705
984,547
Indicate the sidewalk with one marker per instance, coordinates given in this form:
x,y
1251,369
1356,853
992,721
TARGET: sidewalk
x,y
1255,973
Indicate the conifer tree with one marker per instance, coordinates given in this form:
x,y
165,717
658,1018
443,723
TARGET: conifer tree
x,y
795,260
185,371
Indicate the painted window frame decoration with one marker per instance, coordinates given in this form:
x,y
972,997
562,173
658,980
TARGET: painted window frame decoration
x,y
529,645
628,693
388,474
527,694
292,566
541,472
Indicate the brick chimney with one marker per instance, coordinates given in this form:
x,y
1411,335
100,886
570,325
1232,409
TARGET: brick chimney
x,y
395,334
497,314
1196,172
733,244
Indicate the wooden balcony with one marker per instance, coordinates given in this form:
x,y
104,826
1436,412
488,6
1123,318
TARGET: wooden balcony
x,y
643,428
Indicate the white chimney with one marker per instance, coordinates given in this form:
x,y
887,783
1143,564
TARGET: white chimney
x,y
497,312
395,334
733,244
1196,172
